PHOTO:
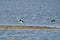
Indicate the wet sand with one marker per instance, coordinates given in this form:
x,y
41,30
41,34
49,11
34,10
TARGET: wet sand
x,y
27,27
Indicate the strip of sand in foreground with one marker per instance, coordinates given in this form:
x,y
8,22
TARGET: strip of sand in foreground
x,y
27,27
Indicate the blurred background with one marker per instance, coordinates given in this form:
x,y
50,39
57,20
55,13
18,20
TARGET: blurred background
x,y
33,12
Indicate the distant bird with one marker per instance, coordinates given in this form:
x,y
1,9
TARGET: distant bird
x,y
21,21
53,21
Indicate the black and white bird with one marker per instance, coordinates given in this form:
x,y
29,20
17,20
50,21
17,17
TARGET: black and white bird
x,y
53,21
21,21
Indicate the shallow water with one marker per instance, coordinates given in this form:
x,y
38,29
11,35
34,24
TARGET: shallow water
x,y
33,12
29,34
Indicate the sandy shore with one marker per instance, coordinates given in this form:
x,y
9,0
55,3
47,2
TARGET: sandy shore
x,y
27,27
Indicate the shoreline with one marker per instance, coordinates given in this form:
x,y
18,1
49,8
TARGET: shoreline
x,y
27,27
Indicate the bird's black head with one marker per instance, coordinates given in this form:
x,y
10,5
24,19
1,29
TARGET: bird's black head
x,y
20,20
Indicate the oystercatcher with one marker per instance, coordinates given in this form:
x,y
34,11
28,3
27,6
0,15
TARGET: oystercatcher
x,y
21,21
53,21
